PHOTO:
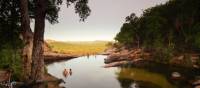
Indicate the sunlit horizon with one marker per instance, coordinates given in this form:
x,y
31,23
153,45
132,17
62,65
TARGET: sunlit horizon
x,y
103,24
74,40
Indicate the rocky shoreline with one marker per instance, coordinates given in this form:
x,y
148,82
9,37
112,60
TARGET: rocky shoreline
x,y
50,57
117,57
140,58
54,84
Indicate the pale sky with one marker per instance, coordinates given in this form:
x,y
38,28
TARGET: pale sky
x,y
104,23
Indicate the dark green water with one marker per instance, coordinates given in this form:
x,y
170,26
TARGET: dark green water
x,y
89,73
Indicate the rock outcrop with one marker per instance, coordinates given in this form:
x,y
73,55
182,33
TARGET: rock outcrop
x,y
124,56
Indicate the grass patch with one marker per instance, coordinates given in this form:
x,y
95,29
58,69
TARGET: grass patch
x,y
78,48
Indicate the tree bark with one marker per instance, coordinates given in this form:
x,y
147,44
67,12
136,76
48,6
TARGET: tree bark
x,y
37,54
27,37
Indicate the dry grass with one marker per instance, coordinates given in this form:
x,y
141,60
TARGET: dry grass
x,y
78,48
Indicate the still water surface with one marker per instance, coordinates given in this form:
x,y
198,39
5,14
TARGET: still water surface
x,y
89,73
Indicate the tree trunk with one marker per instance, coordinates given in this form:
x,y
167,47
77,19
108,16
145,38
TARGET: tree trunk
x,y
37,54
27,37
138,41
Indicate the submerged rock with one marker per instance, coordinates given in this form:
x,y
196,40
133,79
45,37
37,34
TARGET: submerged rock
x,y
196,84
176,75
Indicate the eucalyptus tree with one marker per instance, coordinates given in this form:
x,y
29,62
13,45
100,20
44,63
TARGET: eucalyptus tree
x,y
41,9
27,10
128,34
27,37
10,13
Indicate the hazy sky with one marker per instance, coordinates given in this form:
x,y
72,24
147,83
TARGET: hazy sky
x,y
104,23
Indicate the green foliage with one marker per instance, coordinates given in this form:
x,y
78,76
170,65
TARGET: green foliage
x,y
163,55
10,59
164,29
81,8
173,24
53,7
128,33
9,37
125,36
10,27
197,36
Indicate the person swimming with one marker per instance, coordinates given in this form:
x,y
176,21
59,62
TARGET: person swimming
x,y
65,73
70,71
88,56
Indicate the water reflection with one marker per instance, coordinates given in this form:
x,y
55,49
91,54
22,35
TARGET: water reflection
x,y
70,72
126,83
86,73
142,79
89,73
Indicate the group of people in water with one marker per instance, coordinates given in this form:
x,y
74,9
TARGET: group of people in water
x,y
88,55
67,72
